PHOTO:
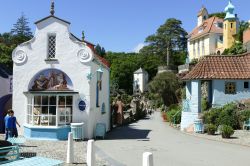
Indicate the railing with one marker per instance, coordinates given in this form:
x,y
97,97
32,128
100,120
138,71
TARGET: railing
x,y
186,105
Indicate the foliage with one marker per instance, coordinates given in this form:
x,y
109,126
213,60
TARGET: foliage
x,y
100,50
226,115
123,66
244,115
21,27
165,85
194,61
174,114
236,49
204,104
169,38
242,27
226,131
8,41
218,14
211,129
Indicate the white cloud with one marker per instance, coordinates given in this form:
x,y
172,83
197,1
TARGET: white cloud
x,y
139,47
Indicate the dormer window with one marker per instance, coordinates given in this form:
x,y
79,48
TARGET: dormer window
x,y
200,29
51,46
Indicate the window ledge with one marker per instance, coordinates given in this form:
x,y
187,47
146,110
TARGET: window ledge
x,y
45,127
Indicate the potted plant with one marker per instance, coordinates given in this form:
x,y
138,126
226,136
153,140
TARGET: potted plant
x,y
211,128
226,131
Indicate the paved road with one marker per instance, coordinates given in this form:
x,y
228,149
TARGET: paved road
x,y
170,147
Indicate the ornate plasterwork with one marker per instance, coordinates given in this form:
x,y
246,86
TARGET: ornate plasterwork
x,y
84,55
19,56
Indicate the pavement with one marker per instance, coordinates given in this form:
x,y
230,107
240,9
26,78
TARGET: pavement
x,y
170,147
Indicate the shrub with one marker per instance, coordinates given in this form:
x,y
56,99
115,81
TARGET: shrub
x,y
211,116
174,114
204,104
228,116
211,129
226,131
244,115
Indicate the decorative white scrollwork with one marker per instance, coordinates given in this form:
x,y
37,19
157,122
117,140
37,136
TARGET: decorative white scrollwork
x,y
19,56
84,56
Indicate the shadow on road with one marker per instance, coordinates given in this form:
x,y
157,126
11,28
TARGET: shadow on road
x,y
127,132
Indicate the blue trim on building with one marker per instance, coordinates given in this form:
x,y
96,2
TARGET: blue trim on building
x,y
3,101
43,133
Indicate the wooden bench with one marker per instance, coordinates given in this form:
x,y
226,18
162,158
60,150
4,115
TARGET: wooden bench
x,y
246,125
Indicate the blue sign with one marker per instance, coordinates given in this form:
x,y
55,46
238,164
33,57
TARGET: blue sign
x,y
82,105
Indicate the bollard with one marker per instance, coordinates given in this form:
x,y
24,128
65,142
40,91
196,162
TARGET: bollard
x,y
70,150
90,153
147,159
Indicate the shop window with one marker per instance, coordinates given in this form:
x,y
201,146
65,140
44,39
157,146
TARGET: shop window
x,y
49,110
230,88
51,46
246,85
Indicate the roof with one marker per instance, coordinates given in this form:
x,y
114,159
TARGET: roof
x,y
203,9
52,17
208,26
4,71
221,67
140,71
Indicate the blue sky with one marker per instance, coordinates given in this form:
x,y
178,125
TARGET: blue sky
x,y
117,25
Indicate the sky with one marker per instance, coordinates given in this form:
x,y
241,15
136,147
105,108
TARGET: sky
x,y
117,25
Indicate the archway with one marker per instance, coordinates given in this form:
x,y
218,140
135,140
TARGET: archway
x,y
5,104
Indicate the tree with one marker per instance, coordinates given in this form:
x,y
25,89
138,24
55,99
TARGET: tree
x,y
218,14
242,27
21,27
169,39
100,50
165,85
236,49
5,55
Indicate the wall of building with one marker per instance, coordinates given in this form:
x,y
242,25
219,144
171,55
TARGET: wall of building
x,y
228,33
197,44
219,96
95,113
5,84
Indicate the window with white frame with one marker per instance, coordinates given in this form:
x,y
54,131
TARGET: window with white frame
x,y
51,46
49,110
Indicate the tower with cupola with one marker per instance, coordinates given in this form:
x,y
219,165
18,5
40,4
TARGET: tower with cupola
x,y
230,26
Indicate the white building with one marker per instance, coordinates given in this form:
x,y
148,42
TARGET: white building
x,y
207,37
5,94
57,80
140,81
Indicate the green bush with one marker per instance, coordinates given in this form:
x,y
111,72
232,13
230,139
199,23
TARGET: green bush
x,y
226,131
211,116
228,116
244,115
204,104
211,129
174,114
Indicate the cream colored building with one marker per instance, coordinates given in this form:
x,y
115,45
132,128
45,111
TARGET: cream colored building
x,y
207,37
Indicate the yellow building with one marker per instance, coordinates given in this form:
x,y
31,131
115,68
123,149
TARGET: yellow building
x,y
230,26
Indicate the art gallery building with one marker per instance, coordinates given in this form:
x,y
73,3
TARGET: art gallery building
x,y
59,79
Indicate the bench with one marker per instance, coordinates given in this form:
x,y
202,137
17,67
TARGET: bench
x,y
246,125
9,154
38,161
100,130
